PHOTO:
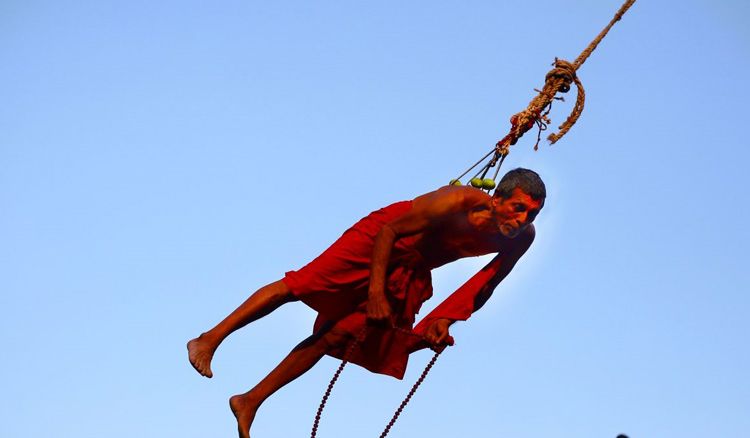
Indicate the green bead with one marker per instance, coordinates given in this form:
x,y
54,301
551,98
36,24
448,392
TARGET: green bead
x,y
454,182
488,183
476,182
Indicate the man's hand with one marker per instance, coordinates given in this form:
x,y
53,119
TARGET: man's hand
x,y
379,311
437,334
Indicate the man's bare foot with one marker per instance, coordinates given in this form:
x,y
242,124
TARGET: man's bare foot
x,y
244,409
200,352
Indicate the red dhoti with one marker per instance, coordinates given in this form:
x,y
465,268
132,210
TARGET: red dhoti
x,y
335,284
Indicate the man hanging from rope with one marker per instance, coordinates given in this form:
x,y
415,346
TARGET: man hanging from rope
x,y
374,278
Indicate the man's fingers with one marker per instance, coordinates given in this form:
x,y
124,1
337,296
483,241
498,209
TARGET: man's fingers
x,y
380,319
434,341
376,318
379,312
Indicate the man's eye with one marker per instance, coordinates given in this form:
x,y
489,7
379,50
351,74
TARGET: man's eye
x,y
520,207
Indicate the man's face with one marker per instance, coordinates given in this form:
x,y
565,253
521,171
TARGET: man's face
x,y
516,212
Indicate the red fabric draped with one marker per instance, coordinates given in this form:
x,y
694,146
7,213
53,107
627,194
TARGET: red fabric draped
x,y
335,284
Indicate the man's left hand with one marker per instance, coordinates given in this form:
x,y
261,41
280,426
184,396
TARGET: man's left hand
x,y
437,334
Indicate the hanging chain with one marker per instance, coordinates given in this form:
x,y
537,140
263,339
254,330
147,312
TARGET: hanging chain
x,y
345,360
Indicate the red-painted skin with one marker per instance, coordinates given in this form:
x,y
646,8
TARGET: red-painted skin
x,y
449,223
458,222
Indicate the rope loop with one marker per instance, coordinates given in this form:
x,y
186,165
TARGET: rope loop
x,y
562,75
559,79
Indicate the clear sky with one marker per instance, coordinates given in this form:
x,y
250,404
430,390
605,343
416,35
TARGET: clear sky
x,y
159,161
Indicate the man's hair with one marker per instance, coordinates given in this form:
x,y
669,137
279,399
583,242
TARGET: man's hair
x,y
526,180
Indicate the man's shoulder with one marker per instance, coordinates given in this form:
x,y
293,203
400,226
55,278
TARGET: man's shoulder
x,y
461,195
523,241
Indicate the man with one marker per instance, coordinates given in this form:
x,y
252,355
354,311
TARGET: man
x,y
374,278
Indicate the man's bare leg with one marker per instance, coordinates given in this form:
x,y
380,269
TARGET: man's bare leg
x,y
300,360
264,301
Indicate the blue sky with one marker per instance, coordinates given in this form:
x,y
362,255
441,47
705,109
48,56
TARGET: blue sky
x,y
159,161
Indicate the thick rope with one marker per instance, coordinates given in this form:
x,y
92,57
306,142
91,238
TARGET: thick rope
x,y
557,80
577,108
587,52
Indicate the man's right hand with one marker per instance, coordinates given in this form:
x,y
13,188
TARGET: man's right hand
x,y
379,311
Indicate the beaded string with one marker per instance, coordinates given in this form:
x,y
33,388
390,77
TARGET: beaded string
x,y
345,360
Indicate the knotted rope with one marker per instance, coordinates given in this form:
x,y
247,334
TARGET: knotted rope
x,y
559,79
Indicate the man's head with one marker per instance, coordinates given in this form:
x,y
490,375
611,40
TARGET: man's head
x,y
526,180
517,200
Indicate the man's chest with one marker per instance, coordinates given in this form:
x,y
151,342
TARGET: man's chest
x,y
459,239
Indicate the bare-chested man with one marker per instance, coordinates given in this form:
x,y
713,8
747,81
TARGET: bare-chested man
x,y
378,274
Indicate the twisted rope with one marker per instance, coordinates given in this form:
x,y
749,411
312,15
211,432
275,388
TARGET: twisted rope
x,y
587,52
559,79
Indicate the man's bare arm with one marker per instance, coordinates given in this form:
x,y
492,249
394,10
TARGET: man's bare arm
x,y
426,210
473,294
505,264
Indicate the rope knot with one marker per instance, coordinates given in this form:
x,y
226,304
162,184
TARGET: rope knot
x,y
563,70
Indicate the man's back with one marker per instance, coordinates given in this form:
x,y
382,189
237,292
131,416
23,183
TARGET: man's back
x,y
457,222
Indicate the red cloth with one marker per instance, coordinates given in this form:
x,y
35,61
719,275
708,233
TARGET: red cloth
x,y
335,284
460,304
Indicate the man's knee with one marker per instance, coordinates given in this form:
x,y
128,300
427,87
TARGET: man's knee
x,y
280,292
